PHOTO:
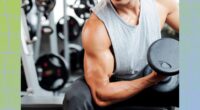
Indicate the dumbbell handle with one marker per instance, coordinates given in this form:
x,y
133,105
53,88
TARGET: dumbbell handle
x,y
166,79
149,70
167,84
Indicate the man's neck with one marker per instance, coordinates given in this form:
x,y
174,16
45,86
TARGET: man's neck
x,y
127,6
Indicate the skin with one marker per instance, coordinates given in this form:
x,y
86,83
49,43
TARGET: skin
x,y
99,61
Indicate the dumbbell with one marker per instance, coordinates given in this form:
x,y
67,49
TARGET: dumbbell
x,y
74,28
45,6
82,8
163,58
52,72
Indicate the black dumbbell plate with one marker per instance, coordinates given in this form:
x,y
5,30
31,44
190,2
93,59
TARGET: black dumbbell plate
x,y
163,56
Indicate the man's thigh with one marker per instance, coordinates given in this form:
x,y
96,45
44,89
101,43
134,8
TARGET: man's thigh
x,y
78,96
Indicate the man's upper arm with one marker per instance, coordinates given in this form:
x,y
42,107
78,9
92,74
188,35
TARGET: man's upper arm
x,y
98,59
173,14
97,44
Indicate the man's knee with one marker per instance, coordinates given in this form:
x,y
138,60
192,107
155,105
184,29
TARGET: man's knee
x,y
78,97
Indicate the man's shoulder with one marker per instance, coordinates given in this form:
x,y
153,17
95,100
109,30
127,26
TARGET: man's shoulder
x,y
169,5
95,33
167,2
93,23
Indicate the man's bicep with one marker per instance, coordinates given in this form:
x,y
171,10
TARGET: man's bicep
x,y
98,66
98,59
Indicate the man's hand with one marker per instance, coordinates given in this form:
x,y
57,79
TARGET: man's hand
x,y
156,78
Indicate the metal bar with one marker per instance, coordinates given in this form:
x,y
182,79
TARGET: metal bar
x,y
53,36
28,62
66,37
38,34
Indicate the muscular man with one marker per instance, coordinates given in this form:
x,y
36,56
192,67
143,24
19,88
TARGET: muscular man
x,y
116,38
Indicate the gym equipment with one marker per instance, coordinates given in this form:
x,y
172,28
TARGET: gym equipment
x,y
28,61
23,79
32,31
34,97
163,57
32,19
76,57
42,103
82,8
52,72
27,5
51,69
47,23
168,84
45,6
46,30
66,33
74,28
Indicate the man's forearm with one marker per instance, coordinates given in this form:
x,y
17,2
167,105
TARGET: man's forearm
x,y
118,91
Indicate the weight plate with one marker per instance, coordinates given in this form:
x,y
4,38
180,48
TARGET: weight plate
x,y
163,56
74,29
45,6
76,56
52,72
82,10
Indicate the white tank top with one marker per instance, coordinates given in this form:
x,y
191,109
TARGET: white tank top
x,y
130,43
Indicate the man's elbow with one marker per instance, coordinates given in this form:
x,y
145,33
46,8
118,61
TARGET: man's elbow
x,y
101,103
100,99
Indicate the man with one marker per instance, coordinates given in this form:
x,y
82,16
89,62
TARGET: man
x,y
116,38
